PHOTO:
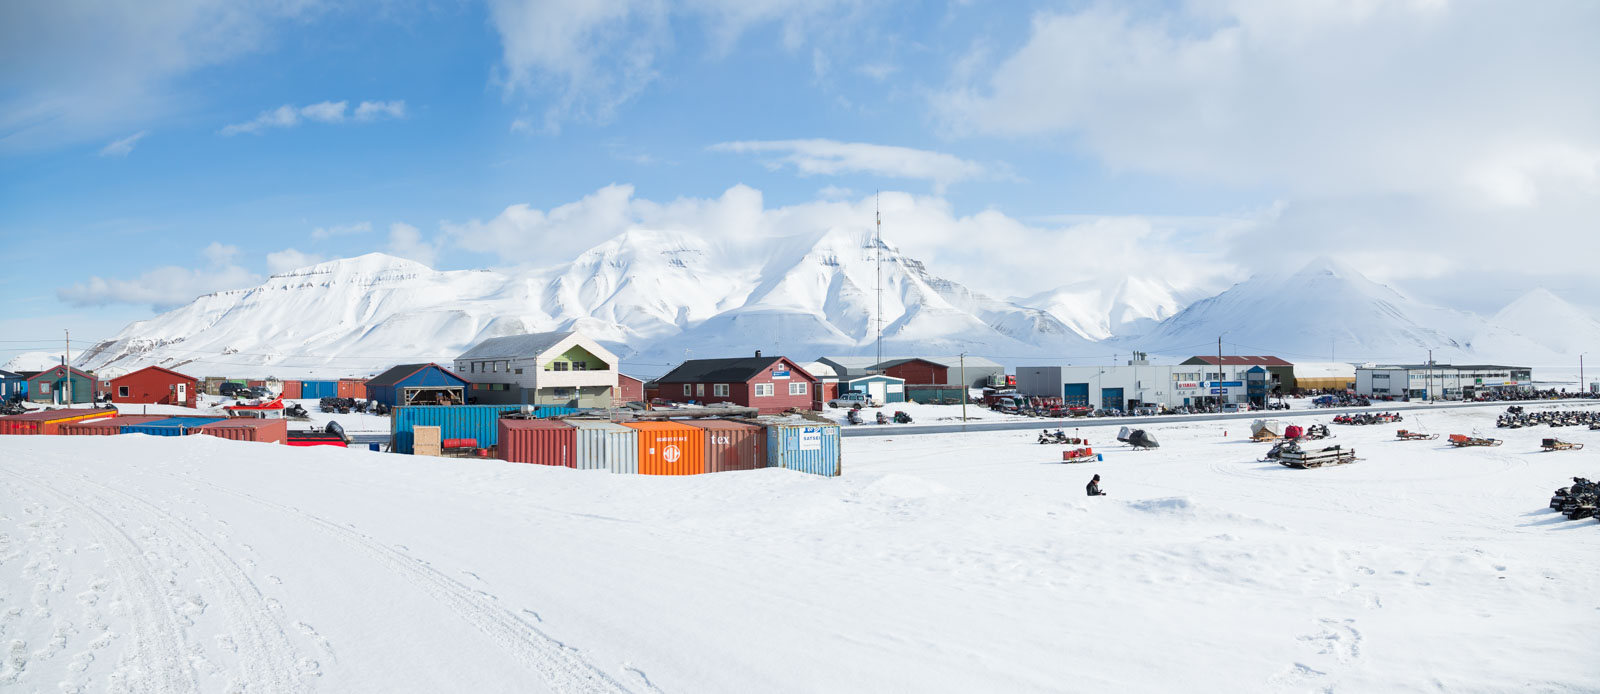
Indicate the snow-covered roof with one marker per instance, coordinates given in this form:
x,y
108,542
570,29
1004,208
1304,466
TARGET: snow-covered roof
x,y
515,346
819,369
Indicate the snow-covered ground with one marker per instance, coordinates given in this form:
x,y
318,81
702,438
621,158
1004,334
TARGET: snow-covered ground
x,y
957,562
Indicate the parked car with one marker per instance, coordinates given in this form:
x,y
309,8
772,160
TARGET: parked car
x,y
852,399
229,388
1230,407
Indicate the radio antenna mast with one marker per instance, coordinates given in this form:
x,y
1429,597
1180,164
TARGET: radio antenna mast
x,y
877,217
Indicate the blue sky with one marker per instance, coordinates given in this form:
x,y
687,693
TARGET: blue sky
x,y
140,162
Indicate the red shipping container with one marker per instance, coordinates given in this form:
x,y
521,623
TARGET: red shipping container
x,y
291,390
732,445
48,422
352,388
249,429
670,448
538,441
107,426
256,384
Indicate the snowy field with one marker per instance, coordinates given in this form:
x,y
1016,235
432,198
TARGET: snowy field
x,y
948,563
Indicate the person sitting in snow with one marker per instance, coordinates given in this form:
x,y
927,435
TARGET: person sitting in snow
x,y
1094,487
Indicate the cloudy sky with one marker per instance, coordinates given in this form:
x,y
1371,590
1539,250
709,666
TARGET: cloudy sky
x,y
150,152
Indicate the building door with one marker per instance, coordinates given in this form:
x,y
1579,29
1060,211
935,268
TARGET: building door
x,y
183,394
876,391
1075,394
1111,398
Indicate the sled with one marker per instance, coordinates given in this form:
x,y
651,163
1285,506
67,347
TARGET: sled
x,y
1559,445
1404,435
1462,441
1081,455
1304,459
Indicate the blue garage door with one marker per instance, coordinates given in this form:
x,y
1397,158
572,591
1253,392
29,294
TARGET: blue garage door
x,y
1075,394
1111,398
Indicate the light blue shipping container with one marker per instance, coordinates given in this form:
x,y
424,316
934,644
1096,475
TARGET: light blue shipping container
x,y
177,426
810,447
606,446
480,422
315,390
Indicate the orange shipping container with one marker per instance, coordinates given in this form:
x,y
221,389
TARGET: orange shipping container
x,y
352,388
732,445
107,426
249,429
291,390
48,422
538,441
670,448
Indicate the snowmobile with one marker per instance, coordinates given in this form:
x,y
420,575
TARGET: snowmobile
x,y
1058,436
1123,434
883,418
1302,459
901,417
854,417
1278,449
1317,432
296,411
1141,440
1404,435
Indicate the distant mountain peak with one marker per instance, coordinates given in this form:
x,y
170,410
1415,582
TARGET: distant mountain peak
x,y
367,264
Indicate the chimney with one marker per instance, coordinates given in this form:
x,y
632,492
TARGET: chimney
x,y
758,354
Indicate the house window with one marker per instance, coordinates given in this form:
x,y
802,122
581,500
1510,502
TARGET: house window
x,y
797,388
720,390
686,389
764,390
122,391
700,389
519,372
44,388
580,366
561,366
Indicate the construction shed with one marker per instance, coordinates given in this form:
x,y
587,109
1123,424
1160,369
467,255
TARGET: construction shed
x,y
417,384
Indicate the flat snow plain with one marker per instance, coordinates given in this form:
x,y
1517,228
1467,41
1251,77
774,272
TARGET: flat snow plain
x,y
955,562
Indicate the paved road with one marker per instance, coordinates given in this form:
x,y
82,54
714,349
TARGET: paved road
x,y
1047,423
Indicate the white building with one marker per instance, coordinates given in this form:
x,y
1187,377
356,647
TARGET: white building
x,y
1135,385
1439,381
557,368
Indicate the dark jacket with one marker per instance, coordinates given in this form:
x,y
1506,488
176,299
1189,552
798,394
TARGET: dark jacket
x,y
1094,489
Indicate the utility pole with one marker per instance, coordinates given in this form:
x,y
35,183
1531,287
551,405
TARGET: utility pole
x,y
68,364
964,387
1220,376
1582,386
1430,376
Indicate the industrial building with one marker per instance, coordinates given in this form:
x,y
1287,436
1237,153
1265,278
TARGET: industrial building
x,y
1440,381
1140,384
1322,376
557,368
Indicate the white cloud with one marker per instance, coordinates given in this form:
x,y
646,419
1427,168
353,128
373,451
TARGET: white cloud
x,y
290,259
374,110
161,288
289,116
829,158
73,74
406,241
219,253
988,251
321,233
122,147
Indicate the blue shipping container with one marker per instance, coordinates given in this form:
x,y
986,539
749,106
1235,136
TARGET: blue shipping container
x,y
810,448
177,426
479,422
315,390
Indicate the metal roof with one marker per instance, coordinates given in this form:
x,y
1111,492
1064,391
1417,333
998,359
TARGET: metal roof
x,y
737,370
400,373
516,346
1239,360
855,365
8,374
156,368
1456,367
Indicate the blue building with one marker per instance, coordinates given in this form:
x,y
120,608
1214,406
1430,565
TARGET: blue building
x,y
12,385
881,388
418,384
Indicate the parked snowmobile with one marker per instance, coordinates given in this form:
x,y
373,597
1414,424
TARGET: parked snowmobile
x,y
901,417
1280,448
1141,440
854,417
883,418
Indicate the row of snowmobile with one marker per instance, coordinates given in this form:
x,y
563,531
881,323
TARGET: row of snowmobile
x,y
348,405
1577,501
899,417
1364,418
1550,418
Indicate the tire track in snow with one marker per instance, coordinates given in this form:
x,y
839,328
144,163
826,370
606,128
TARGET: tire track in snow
x,y
561,666
267,657
159,648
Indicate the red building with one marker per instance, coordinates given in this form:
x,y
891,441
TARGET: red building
x,y
917,372
153,385
629,389
769,384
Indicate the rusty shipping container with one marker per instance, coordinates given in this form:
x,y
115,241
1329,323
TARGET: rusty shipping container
x,y
49,422
352,388
248,429
107,426
606,446
732,445
670,448
538,441
291,390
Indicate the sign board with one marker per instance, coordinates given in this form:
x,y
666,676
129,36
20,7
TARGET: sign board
x,y
1219,391
1224,384
1189,384
811,439
780,373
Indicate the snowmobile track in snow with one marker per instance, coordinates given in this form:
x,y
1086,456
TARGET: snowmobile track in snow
x,y
562,668
159,646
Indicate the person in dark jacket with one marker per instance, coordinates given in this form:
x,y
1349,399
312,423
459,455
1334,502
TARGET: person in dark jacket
x,y
1094,487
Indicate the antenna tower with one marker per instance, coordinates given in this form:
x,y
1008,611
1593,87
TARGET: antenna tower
x,y
877,237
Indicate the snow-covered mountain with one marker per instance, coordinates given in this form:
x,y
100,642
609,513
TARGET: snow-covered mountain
x,y
1098,311
32,361
1329,311
654,296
